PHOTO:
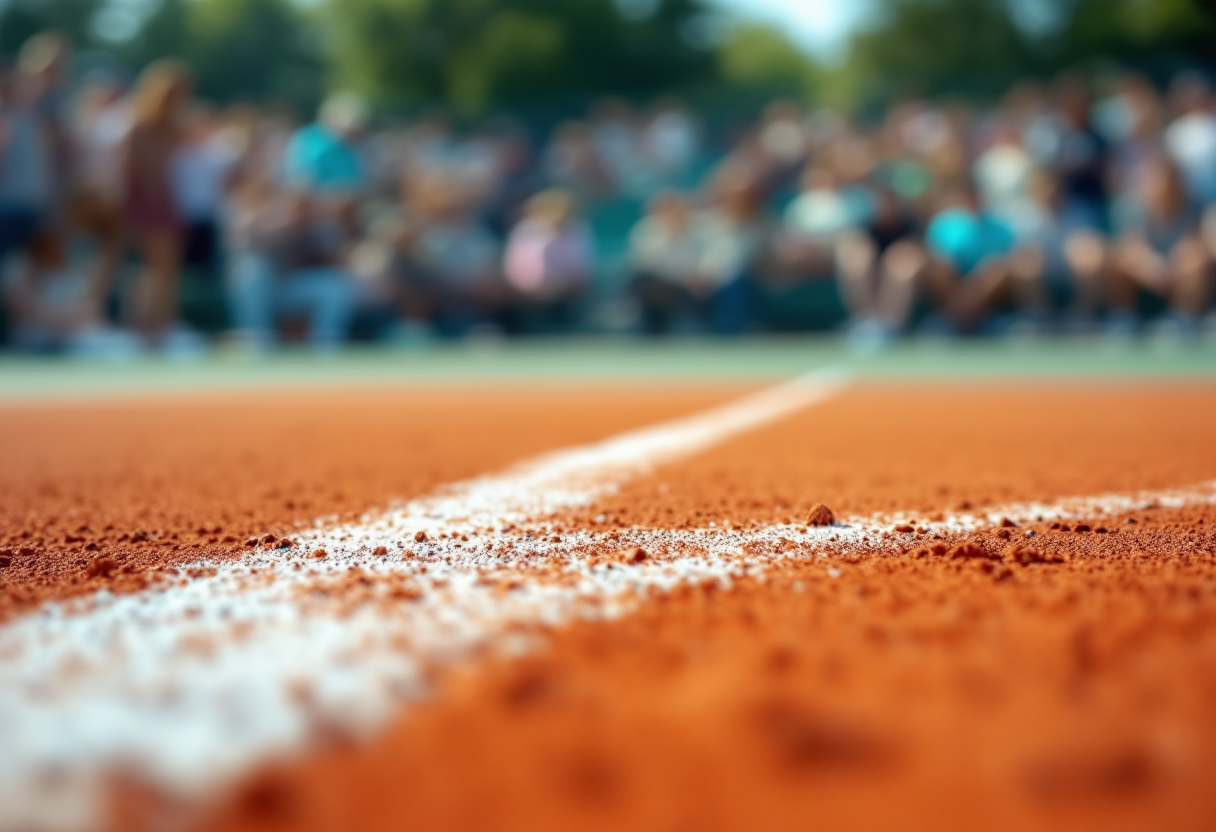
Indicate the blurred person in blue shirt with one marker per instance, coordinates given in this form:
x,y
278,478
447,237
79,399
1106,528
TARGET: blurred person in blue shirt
x,y
324,156
972,270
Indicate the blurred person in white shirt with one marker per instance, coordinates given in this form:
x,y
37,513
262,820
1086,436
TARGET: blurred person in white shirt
x,y
666,251
1191,139
201,170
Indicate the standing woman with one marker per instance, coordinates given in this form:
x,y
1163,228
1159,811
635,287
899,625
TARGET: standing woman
x,y
152,217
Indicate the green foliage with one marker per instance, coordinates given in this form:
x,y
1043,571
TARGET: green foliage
x,y
240,50
20,19
1136,30
765,59
977,48
941,46
471,53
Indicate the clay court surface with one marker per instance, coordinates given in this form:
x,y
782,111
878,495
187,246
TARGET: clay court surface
x,y
924,663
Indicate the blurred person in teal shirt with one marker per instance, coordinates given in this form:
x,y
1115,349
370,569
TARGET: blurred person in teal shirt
x,y
324,157
975,267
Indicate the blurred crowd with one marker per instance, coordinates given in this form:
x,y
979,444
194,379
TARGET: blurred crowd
x,y
1079,205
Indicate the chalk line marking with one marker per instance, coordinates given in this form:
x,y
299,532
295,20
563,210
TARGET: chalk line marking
x,y
187,686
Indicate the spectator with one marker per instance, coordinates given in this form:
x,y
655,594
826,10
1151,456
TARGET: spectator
x,y
1191,139
573,162
879,268
1080,157
26,190
152,216
51,308
324,156
457,259
288,260
1160,249
819,217
1059,250
672,140
201,171
971,271
103,121
739,248
666,253
550,262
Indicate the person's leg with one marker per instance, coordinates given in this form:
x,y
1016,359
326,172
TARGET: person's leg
x,y
900,271
326,295
1027,274
659,300
978,293
251,286
156,298
1087,257
1192,266
1135,265
730,307
856,261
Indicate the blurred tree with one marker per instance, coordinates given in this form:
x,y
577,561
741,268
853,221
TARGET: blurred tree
x,y
247,50
980,47
474,52
764,59
933,47
19,19
1138,32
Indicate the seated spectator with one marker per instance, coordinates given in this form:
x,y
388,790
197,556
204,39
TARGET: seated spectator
x,y
51,307
1160,249
1081,157
1059,248
879,267
549,262
456,259
288,259
1191,139
573,162
324,156
970,270
739,239
666,254
671,140
818,218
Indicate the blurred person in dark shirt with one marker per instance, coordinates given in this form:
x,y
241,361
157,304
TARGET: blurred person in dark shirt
x,y
288,255
455,257
879,266
1059,249
1081,157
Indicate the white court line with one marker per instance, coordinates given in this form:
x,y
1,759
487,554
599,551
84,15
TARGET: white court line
x,y
188,686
